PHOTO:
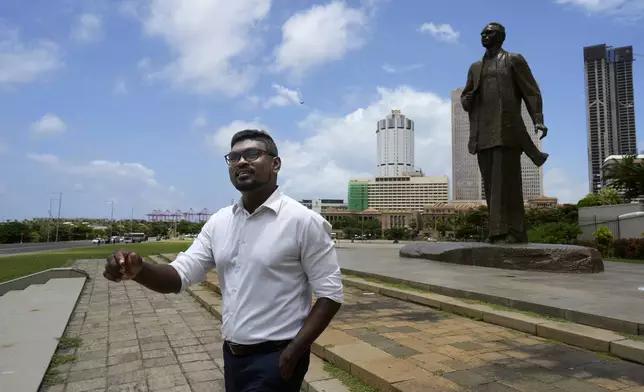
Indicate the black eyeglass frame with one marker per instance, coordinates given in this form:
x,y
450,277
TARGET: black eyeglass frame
x,y
244,154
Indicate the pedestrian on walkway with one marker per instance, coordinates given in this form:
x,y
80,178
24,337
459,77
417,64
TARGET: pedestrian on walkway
x,y
271,254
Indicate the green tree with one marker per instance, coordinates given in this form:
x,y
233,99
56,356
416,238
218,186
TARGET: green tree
x,y
627,175
605,197
471,224
554,233
396,233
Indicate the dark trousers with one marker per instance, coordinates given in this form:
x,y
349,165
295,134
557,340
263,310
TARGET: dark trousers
x,y
260,372
501,172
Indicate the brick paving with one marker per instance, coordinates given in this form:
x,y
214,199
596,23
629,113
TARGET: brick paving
x,y
138,340
475,355
135,340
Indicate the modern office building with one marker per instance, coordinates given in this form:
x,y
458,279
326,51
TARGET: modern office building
x,y
395,135
466,177
610,107
402,193
358,195
321,205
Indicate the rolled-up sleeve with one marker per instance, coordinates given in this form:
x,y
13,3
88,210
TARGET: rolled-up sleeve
x,y
320,261
193,264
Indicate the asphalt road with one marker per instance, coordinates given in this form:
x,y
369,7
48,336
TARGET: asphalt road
x,y
13,249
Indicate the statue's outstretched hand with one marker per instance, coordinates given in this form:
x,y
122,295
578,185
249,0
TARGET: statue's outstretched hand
x,y
542,128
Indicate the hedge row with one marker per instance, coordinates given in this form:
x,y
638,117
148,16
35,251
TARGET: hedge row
x,y
631,248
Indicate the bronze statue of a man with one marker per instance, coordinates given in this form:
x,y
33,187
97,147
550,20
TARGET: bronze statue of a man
x,y
492,96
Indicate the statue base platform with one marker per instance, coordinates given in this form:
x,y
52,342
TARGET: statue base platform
x,y
527,257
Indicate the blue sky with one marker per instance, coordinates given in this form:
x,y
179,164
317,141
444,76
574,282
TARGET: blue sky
x,y
135,100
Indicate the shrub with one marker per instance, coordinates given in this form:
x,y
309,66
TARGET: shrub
x,y
604,239
586,243
554,233
631,248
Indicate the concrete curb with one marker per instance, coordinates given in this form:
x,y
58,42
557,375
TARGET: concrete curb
x,y
316,380
571,315
41,277
578,335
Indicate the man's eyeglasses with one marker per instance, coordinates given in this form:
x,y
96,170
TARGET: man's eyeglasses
x,y
249,155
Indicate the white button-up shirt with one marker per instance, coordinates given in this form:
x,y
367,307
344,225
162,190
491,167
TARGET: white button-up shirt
x,y
269,263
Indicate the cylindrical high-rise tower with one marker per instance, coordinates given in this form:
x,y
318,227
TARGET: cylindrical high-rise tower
x,y
395,145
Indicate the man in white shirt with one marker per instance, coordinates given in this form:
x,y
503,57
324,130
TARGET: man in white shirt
x,y
271,254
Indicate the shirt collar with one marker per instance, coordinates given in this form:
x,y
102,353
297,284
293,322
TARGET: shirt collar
x,y
274,203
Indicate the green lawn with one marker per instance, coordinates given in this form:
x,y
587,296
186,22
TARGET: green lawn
x,y
633,261
20,265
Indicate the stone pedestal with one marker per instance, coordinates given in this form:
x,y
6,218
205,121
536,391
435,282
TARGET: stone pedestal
x,y
532,257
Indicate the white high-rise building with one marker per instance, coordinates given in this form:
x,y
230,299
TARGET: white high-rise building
x,y
466,177
395,136
610,107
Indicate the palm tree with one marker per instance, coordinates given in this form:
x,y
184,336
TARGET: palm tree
x,y
627,176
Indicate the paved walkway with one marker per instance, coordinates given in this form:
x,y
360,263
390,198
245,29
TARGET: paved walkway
x,y
475,355
135,340
613,293
463,354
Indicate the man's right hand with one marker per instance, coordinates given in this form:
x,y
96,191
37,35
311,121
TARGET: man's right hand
x,y
467,101
472,146
122,265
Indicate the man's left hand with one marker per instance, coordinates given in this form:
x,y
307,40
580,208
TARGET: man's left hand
x,y
287,364
542,128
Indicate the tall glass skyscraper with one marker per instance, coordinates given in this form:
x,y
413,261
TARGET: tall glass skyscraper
x,y
610,107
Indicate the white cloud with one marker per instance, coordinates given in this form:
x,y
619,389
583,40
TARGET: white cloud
x,y
342,147
99,169
220,139
442,32
120,88
200,121
24,63
47,159
566,187
402,68
48,125
319,35
283,97
143,64
213,42
629,9
103,178
88,28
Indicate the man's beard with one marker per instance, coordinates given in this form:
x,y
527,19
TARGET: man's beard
x,y
249,186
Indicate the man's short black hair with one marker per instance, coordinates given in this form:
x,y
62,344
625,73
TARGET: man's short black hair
x,y
256,134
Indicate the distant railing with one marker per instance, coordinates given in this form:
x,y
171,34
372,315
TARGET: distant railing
x,y
612,223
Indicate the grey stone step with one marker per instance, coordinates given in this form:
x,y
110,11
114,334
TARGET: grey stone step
x,y
10,294
318,380
32,288
32,322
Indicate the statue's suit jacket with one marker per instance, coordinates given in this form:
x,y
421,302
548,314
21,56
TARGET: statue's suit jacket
x,y
515,83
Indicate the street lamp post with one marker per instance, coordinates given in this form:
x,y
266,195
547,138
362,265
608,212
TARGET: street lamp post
x,y
60,203
111,219
51,217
